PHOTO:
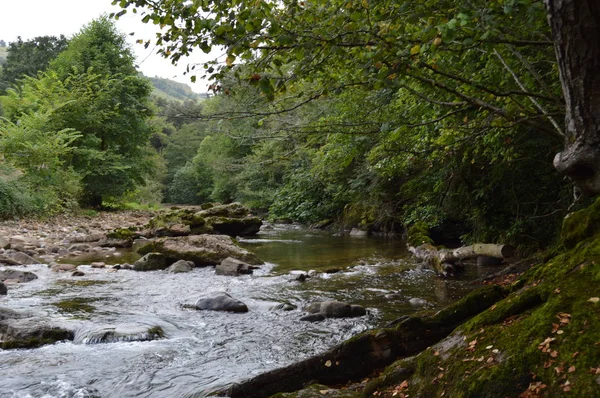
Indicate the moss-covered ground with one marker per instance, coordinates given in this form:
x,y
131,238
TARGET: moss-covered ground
x,y
541,340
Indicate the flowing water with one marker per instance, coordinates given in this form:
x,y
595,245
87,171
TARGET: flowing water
x,y
202,351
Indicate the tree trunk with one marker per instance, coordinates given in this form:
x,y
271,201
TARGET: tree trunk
x,y
576,32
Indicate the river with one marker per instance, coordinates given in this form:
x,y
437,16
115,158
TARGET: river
x,y
203,351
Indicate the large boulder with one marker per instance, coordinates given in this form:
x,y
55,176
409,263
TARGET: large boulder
x,y
333,309
232,267
21,276
221,302
151,262
202,250
177,222
235,226
232,219
19,330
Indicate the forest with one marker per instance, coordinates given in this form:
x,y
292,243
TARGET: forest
x,y
469,121
454,126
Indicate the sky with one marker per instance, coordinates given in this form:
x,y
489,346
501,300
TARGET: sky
x,y
32,18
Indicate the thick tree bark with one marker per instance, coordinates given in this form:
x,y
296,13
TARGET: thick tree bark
x,y
576,32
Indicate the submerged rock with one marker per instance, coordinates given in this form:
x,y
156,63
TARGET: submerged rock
x,y
119,334
3,289
202,250
19,330
221,302
335,309
283,307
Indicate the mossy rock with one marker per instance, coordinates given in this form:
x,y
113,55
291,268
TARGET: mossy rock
x,y
202,250
232,210
580,225
123,234
235,226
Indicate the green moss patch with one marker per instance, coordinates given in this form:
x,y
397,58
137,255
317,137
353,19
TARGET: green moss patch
x,y
541,340
581,225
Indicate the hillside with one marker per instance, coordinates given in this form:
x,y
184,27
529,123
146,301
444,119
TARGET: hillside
x,y
173,91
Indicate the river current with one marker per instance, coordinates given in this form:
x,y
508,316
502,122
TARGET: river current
x,y
203,351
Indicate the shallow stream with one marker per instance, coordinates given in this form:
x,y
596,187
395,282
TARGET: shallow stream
x,y
202,350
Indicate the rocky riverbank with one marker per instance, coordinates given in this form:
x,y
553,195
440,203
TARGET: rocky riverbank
x,y
176,240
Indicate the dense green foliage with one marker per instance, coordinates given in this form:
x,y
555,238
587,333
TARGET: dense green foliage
x,y
381,114
26,58
79,130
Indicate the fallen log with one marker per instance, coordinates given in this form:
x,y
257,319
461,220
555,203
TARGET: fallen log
x,y
444,261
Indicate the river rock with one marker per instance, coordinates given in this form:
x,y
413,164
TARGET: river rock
x,y
98,264
67,267
17,240
232,267
21,276
3,242
3,289
221,302
4,259
202,250
180,266
173,230
151,262
23,258
79,247
138,243
82,237
19,330
232,219
234,226
417,302
77,273
336,309
359,233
